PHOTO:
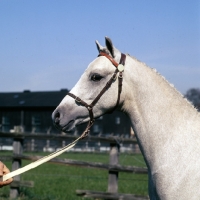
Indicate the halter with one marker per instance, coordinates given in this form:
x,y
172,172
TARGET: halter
x,y
119,69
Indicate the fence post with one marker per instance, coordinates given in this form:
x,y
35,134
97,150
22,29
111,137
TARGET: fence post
x,y
16,163
113,175
32,144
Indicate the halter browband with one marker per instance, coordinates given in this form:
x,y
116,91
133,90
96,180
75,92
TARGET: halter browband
x,y
119,69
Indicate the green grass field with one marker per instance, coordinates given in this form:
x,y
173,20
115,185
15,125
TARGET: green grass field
x,y
59,182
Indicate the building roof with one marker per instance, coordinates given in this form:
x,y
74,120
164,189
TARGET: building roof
x,y
32,99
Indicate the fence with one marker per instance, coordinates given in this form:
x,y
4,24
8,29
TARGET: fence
x,y
113,167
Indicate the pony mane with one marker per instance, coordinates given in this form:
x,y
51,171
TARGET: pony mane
x,y
168,83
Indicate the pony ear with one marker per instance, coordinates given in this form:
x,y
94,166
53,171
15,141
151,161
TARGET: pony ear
x,y
110,46
99,47
109,49
114,52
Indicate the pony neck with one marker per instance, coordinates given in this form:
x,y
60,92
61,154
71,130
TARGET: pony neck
x,y
154,108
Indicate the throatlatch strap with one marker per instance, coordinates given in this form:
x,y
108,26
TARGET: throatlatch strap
x,y
120,81
122,59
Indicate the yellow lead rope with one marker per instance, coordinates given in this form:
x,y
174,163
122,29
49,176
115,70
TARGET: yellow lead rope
x,y
40,161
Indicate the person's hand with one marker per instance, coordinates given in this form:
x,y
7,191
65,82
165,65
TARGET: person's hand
x,y
4,170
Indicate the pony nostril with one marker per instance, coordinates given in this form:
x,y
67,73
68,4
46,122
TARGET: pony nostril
x,y
57,118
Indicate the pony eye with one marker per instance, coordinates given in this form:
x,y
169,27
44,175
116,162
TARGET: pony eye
x,y
96,77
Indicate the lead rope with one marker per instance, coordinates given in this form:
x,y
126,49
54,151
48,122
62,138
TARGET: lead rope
x,y
120,69
40,161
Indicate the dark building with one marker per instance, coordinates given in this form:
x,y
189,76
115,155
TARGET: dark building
x,y
32,112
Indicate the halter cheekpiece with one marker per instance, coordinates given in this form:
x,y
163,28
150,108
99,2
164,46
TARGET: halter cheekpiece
x,y
119,69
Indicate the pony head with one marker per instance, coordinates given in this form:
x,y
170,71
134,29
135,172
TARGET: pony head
x,y
71,111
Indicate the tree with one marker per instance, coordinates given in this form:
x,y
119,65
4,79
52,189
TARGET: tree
x,y
193,95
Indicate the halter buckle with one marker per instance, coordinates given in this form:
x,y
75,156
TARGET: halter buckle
x,y
120,76
114,77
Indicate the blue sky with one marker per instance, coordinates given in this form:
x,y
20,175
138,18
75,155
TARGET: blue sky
x,y
46,45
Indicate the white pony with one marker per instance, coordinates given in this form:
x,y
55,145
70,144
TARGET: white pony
x,y
166,125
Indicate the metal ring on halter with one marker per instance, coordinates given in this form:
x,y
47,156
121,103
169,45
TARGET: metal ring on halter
x,y
120,76
89,108
78,100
